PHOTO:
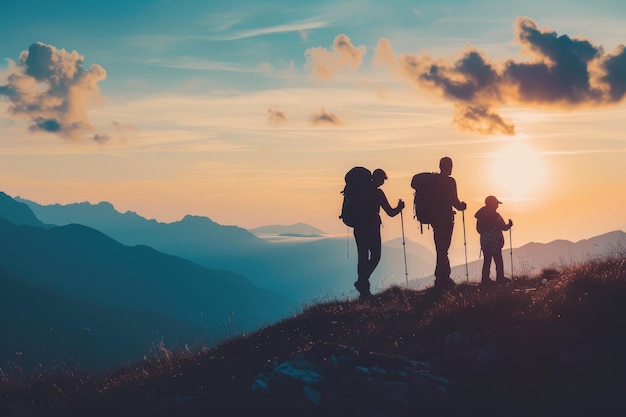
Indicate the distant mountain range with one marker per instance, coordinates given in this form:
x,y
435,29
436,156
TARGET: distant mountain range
x,y
293,269
17,212
563,252
85,263
90,276
298,229
532,258
191,233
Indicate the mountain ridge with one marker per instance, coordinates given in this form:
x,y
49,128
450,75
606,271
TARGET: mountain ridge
x,y
17,212
305,279
533,257
291,269
102,280
295,229
89,264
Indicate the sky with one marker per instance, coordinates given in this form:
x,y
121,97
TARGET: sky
x,y
250,113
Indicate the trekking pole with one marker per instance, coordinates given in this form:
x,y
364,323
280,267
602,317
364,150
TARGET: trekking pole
x,y
406,271
511,247
465,245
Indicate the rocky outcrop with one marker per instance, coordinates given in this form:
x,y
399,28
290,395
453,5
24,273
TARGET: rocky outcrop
x,y
336,380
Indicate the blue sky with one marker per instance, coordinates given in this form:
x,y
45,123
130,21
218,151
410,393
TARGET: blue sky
x,y
167,41
250,112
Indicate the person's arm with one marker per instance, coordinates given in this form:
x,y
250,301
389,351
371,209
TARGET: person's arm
x,y
384,204
456,203
502,225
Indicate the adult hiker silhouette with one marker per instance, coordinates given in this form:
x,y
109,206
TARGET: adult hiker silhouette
x,y
443,222
367,232
490,224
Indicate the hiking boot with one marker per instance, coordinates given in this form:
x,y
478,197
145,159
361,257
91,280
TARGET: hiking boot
x,y
502,280
363,289
366,295
486,282
444,283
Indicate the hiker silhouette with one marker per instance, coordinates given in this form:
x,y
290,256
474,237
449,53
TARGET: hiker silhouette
x,y
443,222
367,232
490,224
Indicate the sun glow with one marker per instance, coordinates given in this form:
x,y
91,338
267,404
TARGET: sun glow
x,y
518,172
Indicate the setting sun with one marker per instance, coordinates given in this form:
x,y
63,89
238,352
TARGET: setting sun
x,y
517,171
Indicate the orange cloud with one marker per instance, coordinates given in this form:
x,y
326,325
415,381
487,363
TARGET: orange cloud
x,y
326,64
275,117
51,87
324,118
566,72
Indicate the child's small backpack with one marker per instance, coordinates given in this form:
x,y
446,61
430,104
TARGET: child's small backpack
x,y
481,227
357,195
485,221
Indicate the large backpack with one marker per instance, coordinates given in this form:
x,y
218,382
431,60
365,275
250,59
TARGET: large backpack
x,y
357,195
427,197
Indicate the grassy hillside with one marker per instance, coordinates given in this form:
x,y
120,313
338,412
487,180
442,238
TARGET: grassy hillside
x,y
547,345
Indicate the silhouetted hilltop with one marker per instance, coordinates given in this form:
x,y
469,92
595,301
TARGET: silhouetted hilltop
x,y
547,345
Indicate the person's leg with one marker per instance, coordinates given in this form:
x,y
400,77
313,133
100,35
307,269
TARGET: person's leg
x,y
442,233
497,258
375,251
486,268
443,237
362,252
363,243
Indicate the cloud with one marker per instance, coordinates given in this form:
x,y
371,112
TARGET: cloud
x,y
471,79
292,27
53,90
322,118
326,64
566,71
276,117
102,138
481,120
614,77
562,72
384,54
